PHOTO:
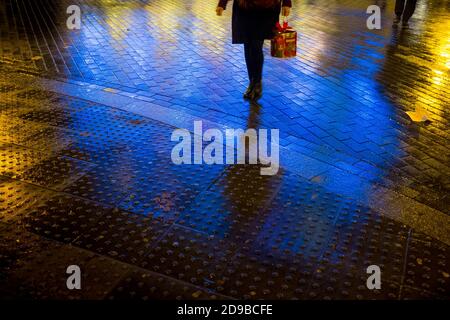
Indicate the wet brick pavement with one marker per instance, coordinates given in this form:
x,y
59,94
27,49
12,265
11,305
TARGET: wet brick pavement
x,y
86,176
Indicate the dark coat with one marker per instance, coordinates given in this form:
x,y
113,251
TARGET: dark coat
x,y
254,24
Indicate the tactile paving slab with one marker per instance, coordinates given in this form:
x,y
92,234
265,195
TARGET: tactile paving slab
x,y
409,293
52,138
158,199
427,268
147,193
16,160
122,235
57,172
24,258
55,115
210,213
14,130
99,275
245,184
301,217
306,248
105,185
18,197
257,272
190,256
147,286
283,246
88,147
361,239
64,217
233,207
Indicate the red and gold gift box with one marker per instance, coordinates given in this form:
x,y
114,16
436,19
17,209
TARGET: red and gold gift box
x,y
284,44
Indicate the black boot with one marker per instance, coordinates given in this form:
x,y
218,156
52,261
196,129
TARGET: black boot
x,y
248,92
257,91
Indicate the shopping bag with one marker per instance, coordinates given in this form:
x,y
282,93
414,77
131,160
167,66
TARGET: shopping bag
x,y
284,44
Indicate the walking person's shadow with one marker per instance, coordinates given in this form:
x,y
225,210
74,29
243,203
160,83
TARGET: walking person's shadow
x,y
246,190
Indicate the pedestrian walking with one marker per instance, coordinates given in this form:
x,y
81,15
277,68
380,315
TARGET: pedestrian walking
x,y
253,22
404,10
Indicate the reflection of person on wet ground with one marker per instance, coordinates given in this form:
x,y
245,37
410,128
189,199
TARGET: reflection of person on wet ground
x,y
246,190
404,10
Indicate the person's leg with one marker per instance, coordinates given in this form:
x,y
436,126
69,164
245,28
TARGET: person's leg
x,y
248,50
254,57
258,56
399,8
248,59
409,10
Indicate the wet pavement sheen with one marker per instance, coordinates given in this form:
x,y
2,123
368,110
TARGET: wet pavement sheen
x,y
86,180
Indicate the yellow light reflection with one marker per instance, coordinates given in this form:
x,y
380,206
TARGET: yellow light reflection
x,y
436,38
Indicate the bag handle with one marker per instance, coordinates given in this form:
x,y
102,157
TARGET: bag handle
x,y
285,24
